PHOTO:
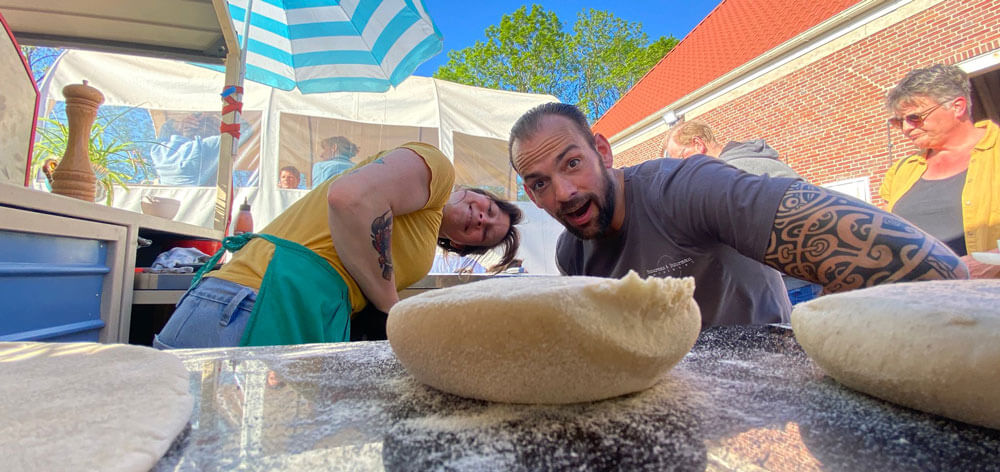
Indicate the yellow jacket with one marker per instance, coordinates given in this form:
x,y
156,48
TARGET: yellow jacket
x,y
980,195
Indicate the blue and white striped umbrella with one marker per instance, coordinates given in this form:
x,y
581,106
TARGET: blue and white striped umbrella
x,y
335,45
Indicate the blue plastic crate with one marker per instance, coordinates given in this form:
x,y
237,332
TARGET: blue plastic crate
x,y
804,293
51,287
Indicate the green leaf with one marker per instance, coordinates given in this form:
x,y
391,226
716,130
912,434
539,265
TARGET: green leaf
x,y
106,152
592,66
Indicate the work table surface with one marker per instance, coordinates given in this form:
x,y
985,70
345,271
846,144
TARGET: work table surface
x,y
745,398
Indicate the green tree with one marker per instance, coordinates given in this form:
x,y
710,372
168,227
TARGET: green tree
x,y
592,66
525,52
610,55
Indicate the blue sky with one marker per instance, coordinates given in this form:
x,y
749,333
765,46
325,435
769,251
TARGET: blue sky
x,y
463,22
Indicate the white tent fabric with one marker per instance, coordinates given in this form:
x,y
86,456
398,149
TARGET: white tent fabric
x,y
469,124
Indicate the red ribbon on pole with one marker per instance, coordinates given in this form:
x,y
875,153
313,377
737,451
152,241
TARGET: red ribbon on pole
x,y
232,105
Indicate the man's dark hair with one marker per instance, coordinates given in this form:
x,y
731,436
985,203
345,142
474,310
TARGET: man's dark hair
x,y
528,123
510,242
291,169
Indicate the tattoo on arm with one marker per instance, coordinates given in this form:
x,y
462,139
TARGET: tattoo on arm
x,y
382,242
845,244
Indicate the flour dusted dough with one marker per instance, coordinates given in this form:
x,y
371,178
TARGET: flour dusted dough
x,y
546,339
86,406
932,346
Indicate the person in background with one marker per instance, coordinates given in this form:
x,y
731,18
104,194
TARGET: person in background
x,y
951,188
730,230
289,177
692,137
329,267
187,149
336,153
48,168
696,137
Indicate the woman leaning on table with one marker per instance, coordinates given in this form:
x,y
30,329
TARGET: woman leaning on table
x,y
329,267
951,189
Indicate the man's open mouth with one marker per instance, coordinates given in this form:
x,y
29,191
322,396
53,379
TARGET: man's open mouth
x,y
577,215
580,211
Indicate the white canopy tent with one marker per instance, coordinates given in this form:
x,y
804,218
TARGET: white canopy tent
x,y
469,124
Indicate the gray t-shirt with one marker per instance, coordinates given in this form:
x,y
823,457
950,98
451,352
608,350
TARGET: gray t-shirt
x,y
694,217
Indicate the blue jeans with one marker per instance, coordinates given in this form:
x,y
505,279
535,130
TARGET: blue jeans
x,y
212,314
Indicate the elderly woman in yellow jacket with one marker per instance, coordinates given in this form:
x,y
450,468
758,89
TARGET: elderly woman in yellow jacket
x,y
951,189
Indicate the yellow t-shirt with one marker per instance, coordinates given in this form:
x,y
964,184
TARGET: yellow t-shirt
x,y
414,235
980,195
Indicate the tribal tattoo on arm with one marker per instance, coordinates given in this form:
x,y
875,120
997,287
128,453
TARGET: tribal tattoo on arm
x,y
844,244
382,242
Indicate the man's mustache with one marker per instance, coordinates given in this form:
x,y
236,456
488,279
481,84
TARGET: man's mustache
x,y
575,204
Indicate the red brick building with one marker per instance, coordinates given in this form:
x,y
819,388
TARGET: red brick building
x,y
810,78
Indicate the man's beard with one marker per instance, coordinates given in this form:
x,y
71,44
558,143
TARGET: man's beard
x,y
605,210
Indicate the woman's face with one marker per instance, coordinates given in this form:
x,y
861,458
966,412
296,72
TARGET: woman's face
x,y
473,219
935,128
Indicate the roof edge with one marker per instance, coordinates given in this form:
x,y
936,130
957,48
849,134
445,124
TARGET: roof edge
x,y
651,69
768,57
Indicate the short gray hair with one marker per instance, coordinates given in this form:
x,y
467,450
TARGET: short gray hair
x,y
685,132
939,82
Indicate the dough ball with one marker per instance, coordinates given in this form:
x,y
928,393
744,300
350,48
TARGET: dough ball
x,y
933,346
546,339
87,406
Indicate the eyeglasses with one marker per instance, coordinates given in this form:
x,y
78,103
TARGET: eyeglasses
x,y
914,119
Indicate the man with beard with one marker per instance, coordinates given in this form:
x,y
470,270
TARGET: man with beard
x,y
730,230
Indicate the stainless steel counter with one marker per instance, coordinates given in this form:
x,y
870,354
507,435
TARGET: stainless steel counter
x,y
745,398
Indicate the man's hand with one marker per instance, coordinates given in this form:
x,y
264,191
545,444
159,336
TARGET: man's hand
x,y
980,270
843,243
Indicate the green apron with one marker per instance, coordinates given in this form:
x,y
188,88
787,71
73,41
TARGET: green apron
x,y
302,299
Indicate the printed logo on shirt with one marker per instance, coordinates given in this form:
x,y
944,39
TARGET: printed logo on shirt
x,y
666,266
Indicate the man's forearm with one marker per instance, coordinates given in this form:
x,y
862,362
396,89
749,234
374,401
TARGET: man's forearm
x,y
844,244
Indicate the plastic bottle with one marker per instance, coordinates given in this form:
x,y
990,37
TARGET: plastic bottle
x,y
244,221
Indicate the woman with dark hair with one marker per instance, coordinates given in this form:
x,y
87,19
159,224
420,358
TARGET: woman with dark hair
x,y
330,266
510,241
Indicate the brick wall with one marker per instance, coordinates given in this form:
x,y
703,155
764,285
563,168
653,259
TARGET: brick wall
x,y
827,119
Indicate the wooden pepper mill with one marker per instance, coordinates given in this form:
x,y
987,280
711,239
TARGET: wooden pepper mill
x,y
74,177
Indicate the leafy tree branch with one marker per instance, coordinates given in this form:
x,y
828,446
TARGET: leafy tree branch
x,y
592,65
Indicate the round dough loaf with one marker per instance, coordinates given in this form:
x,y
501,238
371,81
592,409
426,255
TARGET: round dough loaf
x,y
933,346
546,339
87,406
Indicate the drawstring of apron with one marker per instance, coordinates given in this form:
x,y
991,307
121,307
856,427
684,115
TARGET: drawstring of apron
x,y
231,244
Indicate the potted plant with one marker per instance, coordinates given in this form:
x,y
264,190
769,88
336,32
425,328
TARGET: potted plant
x,y
115,161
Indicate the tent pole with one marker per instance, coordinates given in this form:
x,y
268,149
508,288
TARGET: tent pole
x,y
229,144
